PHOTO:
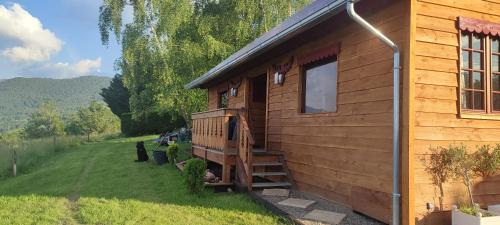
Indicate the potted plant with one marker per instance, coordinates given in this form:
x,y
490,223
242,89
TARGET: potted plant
x,y
466,168
438,166
172,152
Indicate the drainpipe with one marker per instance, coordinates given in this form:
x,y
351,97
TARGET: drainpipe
x,y
395,148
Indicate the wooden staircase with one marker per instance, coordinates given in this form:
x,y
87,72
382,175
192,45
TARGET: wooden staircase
x,y
257,168
268,170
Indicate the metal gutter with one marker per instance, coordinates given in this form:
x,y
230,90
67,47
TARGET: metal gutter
x,y
396,73
273,40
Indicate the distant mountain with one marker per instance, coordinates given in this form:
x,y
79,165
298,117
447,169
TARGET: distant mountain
x,y
19,97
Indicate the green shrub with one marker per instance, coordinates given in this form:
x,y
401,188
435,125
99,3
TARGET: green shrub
x,y
194,173
172,152
487,160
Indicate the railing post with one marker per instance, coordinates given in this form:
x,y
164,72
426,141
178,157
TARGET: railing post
x,y
225,134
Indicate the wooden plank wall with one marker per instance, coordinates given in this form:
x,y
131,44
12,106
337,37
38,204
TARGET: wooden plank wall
x,y
436,111
234,102
344,156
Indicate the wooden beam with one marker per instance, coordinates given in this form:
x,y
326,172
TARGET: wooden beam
x,y
408,156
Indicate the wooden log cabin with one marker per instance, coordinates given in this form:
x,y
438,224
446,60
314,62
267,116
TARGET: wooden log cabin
x,y
309,104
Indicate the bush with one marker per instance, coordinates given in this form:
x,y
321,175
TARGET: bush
x,y
194,173
172,152
487,160
152,123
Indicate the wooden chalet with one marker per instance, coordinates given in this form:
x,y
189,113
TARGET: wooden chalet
x,y
309,104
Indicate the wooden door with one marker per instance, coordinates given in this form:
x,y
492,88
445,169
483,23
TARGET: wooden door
x,y
257,109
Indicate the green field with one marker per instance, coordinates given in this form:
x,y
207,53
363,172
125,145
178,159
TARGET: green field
x,y
99,183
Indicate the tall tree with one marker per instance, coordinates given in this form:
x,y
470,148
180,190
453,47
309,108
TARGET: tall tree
x,y
95,119
172,42
116,96
45,122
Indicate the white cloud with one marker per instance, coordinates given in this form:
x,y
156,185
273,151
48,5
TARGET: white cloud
x,y
65,70
33,43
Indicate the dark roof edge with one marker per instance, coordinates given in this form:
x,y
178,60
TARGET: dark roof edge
x,y
258,46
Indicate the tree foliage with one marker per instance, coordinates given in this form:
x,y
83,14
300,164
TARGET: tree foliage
x,y
172,42
95,119
116,96
20,97
45,122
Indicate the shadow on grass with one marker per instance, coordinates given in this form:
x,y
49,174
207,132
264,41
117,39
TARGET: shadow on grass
x,y
109,182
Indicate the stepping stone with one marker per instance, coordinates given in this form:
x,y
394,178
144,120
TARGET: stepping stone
x,y
276,192
297,202
325,216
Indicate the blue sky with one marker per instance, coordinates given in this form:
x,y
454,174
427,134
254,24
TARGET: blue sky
x,y
64,43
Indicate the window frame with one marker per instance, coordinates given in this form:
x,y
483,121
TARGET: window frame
x,y
219,99
493,73
487,112
302,81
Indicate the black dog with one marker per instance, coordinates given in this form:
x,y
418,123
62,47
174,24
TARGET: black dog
x,y
142,155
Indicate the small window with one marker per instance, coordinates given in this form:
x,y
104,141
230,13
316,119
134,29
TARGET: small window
x,y
223,100
319,87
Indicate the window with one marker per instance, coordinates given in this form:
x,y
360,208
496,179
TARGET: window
x,y
479,68
223,100
495,74
472,74
319,86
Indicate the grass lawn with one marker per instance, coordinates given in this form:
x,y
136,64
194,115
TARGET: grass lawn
x,y
99,183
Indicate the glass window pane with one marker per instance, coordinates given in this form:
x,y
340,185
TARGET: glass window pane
x,y
467,100
478,100
495,80
495,63
321,89
465,80
465,40
477,42
496,102
223,100
477,80
495,45
465,59
477,60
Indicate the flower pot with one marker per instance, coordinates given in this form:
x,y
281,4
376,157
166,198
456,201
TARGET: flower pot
x,y
160,157
460,218
494,208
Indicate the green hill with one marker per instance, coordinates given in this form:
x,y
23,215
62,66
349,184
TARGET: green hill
x,y
19,97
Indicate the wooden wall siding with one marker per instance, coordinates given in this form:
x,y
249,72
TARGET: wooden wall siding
x,y
344,156
436,111
234,102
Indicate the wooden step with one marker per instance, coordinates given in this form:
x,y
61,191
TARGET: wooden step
x,y
264,174
271,184
267,164
258,151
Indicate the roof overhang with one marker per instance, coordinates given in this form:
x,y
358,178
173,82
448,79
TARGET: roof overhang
x,y
303,20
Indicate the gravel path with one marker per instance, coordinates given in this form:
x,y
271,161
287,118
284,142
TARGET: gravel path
x,y
352,218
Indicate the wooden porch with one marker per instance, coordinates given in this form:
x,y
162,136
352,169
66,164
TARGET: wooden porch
x,y
224,137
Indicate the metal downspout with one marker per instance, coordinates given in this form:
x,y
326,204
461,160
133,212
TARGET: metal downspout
x,y
395,194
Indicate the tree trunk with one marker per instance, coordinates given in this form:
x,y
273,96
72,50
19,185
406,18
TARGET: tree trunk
x,y
14,163
88,137
468,183
441,197
54,141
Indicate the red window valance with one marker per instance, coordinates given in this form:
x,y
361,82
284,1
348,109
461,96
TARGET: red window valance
x,y
478,26
320,54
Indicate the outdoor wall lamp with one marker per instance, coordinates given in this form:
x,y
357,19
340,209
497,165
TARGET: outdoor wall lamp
x,y
278,78
234,92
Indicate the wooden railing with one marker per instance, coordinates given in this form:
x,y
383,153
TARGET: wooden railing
x,y
211,129
245,146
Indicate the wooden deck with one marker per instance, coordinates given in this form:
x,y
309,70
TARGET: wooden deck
x,y
224,137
